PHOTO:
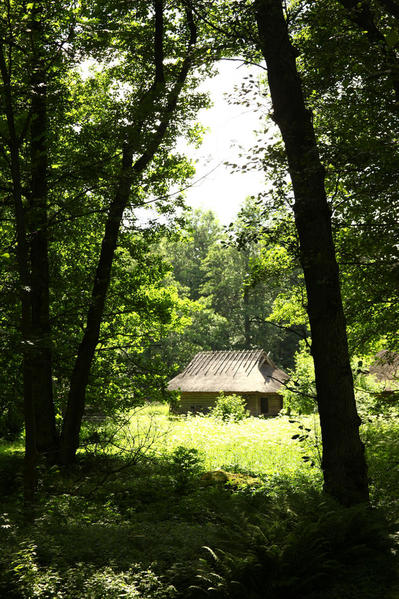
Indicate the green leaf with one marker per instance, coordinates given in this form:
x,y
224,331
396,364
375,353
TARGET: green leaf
x,y
392,38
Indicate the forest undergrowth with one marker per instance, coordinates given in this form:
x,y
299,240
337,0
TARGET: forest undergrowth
x,y
160,506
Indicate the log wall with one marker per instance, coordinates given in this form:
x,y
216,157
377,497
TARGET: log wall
x,y
203,402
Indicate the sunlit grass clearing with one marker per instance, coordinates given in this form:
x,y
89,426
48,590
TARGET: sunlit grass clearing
x,y
256,445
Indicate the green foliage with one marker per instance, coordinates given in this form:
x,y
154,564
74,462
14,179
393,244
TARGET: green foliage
x,y
214,267
186,465
201,230
10,471
100,100
354,119
381,438
299,395
230,408
371,397
11,420
322,553
11,408
174,401
26,580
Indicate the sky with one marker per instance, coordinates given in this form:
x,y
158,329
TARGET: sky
x,y
231,130
229,126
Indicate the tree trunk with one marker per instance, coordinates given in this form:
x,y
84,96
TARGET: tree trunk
x,y
80,375
344,466
22,253
42,385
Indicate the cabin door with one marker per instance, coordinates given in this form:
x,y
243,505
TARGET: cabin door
x,y
264,405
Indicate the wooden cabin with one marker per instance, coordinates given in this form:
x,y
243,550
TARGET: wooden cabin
x,y
385,368
249,373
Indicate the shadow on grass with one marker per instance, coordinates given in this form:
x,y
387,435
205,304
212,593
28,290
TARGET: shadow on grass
x,y
104,527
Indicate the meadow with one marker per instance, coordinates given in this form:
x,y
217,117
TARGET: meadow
x,y
253,445
139,516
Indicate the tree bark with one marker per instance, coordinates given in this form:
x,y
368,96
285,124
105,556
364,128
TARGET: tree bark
x,y
80,375
42,385
343,464
127,176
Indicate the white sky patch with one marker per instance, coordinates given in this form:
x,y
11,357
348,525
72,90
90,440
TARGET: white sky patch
x,y
231,132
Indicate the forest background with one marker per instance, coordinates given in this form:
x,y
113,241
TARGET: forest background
x,y
100,307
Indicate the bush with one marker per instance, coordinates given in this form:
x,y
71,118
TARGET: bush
x,y
28,581
371,397
299,395
186,465
230,408
11,421
174,400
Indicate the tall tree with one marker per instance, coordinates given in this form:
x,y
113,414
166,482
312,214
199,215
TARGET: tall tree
x,y
215,266
355,120
42,382
200,231
344,466
14,142
91,161
155,103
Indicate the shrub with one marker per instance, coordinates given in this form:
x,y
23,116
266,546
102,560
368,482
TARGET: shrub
x,y
137,583
372,399
299,395
174,401
11,421
28,581
186,465
230,408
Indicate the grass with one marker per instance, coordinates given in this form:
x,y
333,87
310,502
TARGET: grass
x,y
265,447
255,445
133,520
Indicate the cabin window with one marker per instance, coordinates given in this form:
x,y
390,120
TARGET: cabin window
x,y
264,405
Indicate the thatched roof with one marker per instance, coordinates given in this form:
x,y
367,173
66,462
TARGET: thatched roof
x,y
246,371
385,367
